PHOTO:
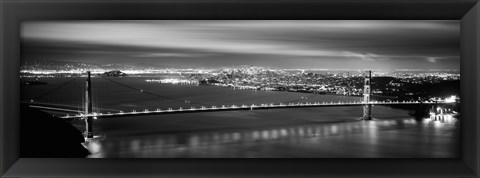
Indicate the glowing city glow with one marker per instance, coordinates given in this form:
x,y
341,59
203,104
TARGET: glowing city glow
x,y
451,99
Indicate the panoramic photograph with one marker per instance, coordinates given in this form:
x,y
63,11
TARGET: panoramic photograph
x,y
240,89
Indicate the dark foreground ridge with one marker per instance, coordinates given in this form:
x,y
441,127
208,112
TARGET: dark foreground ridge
x,y
44,136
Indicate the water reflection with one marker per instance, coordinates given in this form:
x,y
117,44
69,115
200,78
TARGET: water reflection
x,y
368,135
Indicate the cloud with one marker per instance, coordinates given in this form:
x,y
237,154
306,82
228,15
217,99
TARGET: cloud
x,y
365,56
326,41
291,38
171,55
432,59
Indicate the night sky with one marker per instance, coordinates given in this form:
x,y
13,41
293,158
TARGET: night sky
x,y
321,44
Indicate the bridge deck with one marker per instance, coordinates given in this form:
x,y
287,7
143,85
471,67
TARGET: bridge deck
x,y
233,108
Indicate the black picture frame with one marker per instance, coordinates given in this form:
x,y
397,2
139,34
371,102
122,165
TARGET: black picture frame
x,y
13,12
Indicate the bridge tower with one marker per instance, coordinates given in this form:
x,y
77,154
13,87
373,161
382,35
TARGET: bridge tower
x,y
367,108
88,107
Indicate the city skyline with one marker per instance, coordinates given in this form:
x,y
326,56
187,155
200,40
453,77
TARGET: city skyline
x,y
377,45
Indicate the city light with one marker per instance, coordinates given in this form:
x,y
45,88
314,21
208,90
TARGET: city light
x,y
451,99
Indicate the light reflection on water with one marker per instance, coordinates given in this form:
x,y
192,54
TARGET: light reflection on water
x,y
429,137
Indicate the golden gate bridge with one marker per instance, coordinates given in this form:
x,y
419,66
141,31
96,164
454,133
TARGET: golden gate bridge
x,y
88,115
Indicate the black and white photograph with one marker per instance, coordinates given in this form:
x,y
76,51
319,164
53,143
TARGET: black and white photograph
x,y
240,89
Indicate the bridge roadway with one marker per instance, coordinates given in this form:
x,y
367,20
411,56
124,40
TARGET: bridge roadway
x,y
245,107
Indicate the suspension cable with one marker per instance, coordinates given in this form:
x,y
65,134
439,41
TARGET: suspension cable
x,y
55,89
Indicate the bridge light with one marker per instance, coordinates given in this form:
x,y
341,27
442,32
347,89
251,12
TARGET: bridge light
x,y
95,118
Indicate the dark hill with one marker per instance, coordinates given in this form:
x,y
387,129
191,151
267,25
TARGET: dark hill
x,y
44,136
114,73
